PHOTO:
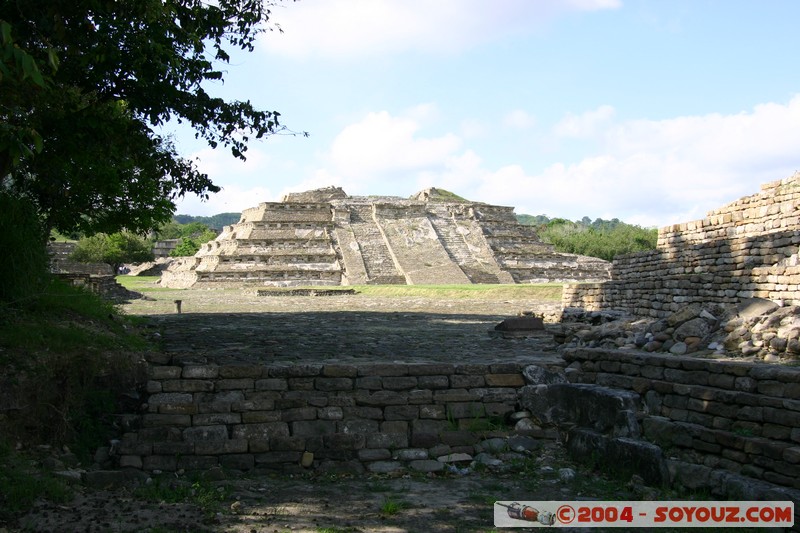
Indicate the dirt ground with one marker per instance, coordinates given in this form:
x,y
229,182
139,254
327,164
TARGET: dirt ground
x,y
237,324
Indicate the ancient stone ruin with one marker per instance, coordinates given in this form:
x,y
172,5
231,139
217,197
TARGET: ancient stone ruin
x,y
729,283
325,237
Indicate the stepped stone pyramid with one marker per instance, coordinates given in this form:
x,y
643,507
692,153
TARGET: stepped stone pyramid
x,y
325,237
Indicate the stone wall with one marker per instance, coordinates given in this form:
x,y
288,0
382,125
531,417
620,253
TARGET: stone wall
x,y
711,418
378,418
746,249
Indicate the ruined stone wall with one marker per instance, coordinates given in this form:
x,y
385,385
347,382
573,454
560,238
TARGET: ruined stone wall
x,y
707,416
378,418
746,249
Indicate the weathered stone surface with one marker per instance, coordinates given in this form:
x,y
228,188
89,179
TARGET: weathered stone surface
x,y
386,240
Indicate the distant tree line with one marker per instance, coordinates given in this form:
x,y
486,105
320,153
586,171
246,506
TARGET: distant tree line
x,y
122,247
215,222
599,238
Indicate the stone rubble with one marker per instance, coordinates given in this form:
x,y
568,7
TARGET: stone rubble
x,y
756,329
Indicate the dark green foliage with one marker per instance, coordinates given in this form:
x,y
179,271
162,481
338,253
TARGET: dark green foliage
x,y
24,268
65,357
115,249
215,222
191,235
601,238
85,84
191,244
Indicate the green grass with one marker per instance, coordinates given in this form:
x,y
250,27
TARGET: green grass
x,y
21,484
143,284
63,353
542,291
392,506
202,494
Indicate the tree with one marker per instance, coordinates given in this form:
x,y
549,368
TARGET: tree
x,y
115,249
85,83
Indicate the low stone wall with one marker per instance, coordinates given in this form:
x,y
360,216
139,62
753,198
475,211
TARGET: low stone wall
x,y
378,418
707,415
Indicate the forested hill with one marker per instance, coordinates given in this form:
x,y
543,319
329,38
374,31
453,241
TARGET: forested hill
x,y
215,222
598,238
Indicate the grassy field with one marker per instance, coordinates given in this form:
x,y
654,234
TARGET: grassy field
x,y
543,291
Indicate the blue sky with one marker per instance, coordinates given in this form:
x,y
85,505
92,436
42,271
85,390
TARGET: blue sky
x,y
653,112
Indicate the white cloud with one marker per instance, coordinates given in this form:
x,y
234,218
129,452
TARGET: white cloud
x,y
518,119
358,28
584,125
660,172
651,173
231,198
382,143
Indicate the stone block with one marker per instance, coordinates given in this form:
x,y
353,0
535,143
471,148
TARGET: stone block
x,y
239,461
357,426
165,463
424,440
458,438
401,412
259,417
433,382
426,465
474,369
299,413
240,371
391,441
306,384
436,411
411,454
339,371
394,426
130,461
455,395
334,384
382,398
384,370
234,384
261,431
504,380
173,448
377,454
164,372
187,385
154,420
205,433
286,443
385,467
271,384
294,371
177,409
269,458
211,419
461,381
200,372
372,413
311,428
399,382
369,383
420,396
330,413
221,447
344,441
435,369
